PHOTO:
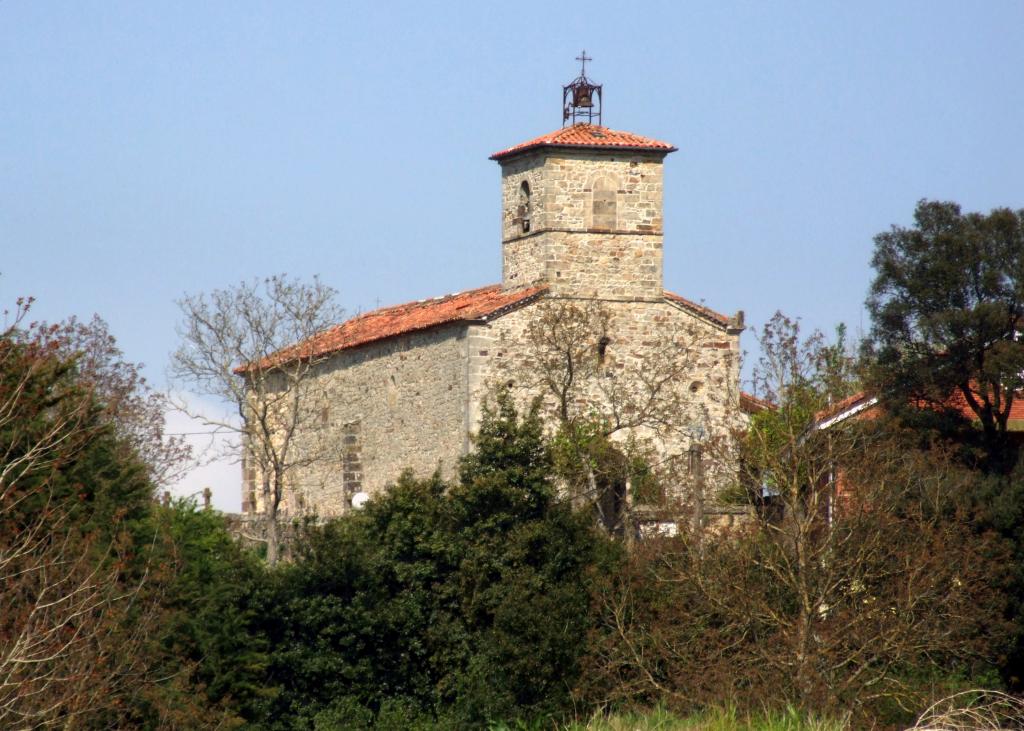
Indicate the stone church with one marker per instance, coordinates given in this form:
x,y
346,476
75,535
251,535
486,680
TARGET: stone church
x,y
581,212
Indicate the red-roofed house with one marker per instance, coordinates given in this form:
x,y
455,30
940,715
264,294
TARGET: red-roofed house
x,y
582,223
864,405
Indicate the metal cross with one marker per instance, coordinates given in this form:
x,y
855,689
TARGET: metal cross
x,y
583,58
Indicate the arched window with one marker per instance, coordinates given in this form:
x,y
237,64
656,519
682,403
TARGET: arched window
x,y
524,206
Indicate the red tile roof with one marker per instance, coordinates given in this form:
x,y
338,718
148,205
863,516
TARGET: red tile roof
x,y
588,136
475,304
751,404
864,401
1016,408
850,402
698,309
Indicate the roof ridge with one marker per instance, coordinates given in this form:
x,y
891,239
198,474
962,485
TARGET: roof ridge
x,y
698,308
588,136
411,303
479,304
755,403
395,320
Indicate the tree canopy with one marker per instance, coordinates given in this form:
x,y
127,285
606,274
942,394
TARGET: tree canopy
x,y
238,345
947,309
458,604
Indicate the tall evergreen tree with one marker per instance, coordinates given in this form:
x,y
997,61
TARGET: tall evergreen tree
x,y
947,309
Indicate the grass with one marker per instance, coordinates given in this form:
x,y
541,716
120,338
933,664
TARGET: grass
x,y
719,720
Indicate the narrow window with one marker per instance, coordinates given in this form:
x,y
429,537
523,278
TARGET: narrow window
x,y
352,460
696,459
524,206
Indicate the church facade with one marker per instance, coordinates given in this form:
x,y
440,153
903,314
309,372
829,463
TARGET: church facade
x,y
582,247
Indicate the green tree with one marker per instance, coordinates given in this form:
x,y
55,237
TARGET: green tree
x,y
526,561
459,604
80,581
117,613
947,309
209,597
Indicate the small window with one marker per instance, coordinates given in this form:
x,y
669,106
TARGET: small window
x,y
524,206
695,459
602,348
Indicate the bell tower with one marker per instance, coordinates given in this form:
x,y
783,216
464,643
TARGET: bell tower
x,y
579,95
582,206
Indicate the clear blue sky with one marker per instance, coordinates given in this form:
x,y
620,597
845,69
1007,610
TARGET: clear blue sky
x,y
149,149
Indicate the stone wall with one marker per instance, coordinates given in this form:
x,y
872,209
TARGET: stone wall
x,y
392,405
643,339
414,401
595,222
588,224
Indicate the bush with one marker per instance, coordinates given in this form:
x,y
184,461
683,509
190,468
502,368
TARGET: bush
x,y
460,603
878,604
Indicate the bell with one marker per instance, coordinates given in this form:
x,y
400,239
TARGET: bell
x,y
581,97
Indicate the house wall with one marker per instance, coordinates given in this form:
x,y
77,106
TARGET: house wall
x,y
705,362
414,401
391,405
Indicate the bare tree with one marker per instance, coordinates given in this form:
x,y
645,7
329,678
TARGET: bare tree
x,y
68,644
627,408
253,347
862,576
125,397
973,710
856,610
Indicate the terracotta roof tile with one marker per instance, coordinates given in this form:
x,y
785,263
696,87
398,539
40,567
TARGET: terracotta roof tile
x,y
588,136
858,402
751,404
699,309
475,304
841,406
1016,408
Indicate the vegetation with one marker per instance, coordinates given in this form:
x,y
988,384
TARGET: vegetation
x,y
947,358
93,586
723,719
881,568
863,594
613,406
232,342
947,306
459,604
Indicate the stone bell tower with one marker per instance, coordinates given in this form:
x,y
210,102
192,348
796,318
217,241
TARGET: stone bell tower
x,y
582,206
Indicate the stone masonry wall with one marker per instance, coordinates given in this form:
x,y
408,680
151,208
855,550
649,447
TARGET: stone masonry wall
x,y
605,266
595,223
708,379
595,239
392,405
414,401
